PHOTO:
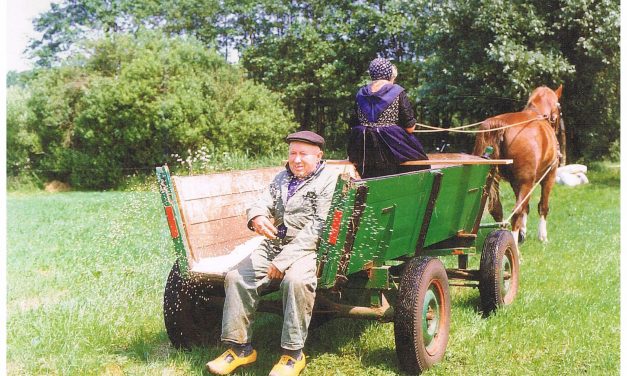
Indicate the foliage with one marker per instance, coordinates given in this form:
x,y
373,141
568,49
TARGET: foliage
x,y
318,58
23,141
71,21
135,100
461,61
85,281
515,47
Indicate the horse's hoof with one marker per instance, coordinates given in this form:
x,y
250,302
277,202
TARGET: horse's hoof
x,y
521,237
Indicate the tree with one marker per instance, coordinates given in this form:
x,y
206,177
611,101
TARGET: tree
x,y
516,46
461,61
23,141
69,22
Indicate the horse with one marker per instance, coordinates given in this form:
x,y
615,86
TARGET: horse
x,y
529,138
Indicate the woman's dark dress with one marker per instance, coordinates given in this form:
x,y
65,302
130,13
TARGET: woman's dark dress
x,y
378,142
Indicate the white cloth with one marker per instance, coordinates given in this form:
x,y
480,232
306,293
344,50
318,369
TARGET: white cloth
x,y
572,175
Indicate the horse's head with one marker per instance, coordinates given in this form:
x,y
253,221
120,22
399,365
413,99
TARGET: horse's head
x,y
546,103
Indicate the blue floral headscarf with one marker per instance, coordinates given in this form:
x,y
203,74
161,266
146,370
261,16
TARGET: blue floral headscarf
x,y
380,69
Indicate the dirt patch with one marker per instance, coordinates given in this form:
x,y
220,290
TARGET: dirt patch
x,y
113,370
56,186
28,304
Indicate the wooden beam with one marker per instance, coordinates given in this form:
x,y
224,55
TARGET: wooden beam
x,y
450,162
448,159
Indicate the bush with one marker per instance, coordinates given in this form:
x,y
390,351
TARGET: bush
x,y
23,142
134,101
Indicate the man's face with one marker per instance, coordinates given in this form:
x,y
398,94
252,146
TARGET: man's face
x,y
303,158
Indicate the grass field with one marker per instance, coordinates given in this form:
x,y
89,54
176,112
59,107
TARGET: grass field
x,y
86,272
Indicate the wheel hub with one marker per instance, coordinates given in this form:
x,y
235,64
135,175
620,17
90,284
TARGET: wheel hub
x,y
430,317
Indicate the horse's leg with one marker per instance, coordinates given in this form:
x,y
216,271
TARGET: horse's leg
x,y
519,216
523,225
543,205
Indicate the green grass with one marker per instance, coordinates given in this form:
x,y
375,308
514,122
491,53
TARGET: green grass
x,y
86,273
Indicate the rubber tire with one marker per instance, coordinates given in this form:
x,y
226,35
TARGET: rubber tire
x,y
499,246
419,276
190,318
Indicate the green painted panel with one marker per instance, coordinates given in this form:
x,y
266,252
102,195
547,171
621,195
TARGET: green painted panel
x,y
458,202
395,208
408,194
329,253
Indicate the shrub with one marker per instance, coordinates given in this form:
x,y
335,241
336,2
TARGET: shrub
x,y
138,99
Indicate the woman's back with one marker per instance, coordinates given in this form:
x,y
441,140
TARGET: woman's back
x,y
382,138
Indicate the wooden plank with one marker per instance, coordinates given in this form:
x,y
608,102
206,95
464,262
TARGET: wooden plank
x,y
224,247
218,207
218,266
202,186
205,237
449,159
450,162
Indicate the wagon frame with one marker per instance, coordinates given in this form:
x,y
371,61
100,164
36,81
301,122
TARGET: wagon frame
x,y
378,257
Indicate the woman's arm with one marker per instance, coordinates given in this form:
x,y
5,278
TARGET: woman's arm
x,y
406,118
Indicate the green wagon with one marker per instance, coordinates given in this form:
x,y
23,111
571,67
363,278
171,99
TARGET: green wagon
x,y
379,254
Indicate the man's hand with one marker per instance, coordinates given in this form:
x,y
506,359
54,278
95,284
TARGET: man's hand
x,y
274,273
263,226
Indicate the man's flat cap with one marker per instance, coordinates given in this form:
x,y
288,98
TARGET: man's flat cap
x,y
306,136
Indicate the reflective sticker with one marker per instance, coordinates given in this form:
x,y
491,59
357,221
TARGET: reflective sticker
x,y
335,227
169,213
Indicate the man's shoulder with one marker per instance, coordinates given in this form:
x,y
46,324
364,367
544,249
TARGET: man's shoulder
x,y
281,175
328,174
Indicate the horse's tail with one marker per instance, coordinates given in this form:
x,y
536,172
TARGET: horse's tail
x,y
494,200
490,138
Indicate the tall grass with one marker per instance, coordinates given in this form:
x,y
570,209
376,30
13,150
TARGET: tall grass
x,y
86,273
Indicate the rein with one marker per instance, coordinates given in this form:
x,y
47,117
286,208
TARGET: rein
x,y
432,129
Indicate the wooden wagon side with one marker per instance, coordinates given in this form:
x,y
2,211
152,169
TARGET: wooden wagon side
x,y
207,216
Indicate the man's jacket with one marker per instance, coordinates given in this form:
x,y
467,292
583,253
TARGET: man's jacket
x,y
303,214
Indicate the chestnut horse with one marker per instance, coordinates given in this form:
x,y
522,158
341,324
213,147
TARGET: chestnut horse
x,y
528,138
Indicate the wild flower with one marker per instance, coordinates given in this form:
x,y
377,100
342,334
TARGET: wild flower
x,y
198,161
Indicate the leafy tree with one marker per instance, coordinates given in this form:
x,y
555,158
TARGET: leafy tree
x,y
23,141
479,53
69,22
589,34
461,61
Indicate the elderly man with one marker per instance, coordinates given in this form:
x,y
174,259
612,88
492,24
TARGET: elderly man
x,y
291,215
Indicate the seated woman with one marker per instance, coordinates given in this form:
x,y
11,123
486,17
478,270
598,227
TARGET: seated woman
x,y
381,135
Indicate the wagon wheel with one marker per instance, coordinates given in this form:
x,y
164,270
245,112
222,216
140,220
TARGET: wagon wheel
x,y
422,315
499,271
191,317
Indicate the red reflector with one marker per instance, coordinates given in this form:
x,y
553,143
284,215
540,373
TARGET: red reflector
x,y
169,213
335,227
458,252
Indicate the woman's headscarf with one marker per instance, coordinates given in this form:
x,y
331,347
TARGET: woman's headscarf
x,y
380,69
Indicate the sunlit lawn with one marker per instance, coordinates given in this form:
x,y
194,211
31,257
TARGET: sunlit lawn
x,y
86,273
